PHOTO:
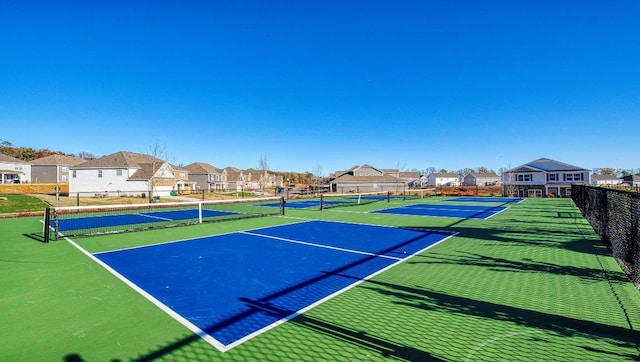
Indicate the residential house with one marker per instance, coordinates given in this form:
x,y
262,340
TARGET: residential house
x,y
13,170
481,179
263,179
53,168
207,177
632,180
365,178
443,179
542,178
411,178
605,180
421,182
127,173
237,180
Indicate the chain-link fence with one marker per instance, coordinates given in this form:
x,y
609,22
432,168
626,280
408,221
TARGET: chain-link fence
x,y
614,215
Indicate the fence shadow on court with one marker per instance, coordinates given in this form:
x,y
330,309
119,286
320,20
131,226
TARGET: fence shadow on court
x,y
548,323
265,304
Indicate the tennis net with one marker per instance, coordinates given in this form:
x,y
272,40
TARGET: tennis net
x,y
411,194
338,200
104,219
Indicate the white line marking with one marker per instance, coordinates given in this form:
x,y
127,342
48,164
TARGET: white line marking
x,y
192,327
319,245
155,217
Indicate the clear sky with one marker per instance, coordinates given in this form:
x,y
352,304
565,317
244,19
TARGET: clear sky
x,y
333,83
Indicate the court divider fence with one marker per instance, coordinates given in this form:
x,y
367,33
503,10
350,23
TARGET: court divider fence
x,y
614,215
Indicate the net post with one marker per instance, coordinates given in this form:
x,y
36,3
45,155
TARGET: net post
x,y
321,201
47,218
282,202
199,212
388,196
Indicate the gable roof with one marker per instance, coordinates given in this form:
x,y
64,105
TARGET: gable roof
x,y
484,174
120,159
445,174
58,160
201,168
8,159
146,171
546,165
604,177
409,174
349,177
633,178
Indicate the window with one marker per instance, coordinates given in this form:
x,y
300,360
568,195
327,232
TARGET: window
x,y
552,177
118,172
99,173
73,173
524,177
64,169
573,177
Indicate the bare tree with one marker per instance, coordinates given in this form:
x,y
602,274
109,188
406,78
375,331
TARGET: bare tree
x,y
508,180
86,155
318,174
158,150
263,166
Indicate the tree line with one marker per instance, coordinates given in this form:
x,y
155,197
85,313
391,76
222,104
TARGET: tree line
x,y
28,154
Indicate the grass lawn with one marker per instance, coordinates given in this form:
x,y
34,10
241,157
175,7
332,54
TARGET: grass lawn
x,y
531,283
12,203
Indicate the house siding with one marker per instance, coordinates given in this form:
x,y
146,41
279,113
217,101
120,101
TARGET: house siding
x,y
543,177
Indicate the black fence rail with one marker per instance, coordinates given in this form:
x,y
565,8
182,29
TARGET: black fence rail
x,y
614,215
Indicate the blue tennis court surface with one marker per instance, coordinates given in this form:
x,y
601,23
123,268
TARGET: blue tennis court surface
x,y
504,200
442,210
230,287
301,204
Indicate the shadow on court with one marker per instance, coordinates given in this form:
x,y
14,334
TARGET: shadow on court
x,y
276,306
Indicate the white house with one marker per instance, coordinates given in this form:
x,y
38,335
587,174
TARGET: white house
x,y
126,173
443,179
13,170
543,177
605,180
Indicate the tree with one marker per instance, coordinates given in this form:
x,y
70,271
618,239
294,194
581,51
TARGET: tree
x,y
158,150
317,174
429,170
86,155
263,166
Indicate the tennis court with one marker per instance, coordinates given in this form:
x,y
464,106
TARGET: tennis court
x,y
504,200
233,286
444,210
533,282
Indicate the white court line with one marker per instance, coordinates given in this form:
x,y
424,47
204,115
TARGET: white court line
x,y
221,346
155,217
319,245
192,327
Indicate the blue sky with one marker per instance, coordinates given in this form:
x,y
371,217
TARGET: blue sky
x,y
394,84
